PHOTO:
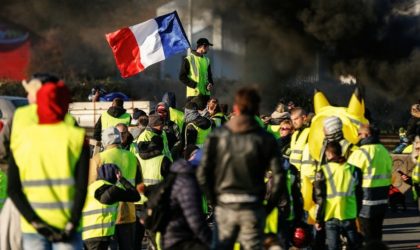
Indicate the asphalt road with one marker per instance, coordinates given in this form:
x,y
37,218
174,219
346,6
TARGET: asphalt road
x,y
402,229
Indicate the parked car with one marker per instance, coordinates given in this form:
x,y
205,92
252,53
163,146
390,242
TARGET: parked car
x,y
8,105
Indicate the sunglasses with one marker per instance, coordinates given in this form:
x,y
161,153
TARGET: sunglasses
x,y
285,129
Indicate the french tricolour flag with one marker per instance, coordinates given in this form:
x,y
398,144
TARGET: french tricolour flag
x,y
141,45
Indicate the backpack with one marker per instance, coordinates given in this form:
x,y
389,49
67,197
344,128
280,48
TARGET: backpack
x,y
157,208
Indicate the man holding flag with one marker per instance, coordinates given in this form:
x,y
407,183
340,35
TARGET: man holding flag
x,y
196,72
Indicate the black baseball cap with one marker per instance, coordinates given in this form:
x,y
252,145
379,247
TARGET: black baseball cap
x,y
203,41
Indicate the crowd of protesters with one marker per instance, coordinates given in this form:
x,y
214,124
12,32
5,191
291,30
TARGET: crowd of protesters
x,y
238,180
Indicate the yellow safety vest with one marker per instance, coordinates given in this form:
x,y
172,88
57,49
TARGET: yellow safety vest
x,y
307,177
217,118
98,219
109,121
46,168
24,117
297,144
274,130
199,73
124,159
176,116
150,170
201,135
147,135
415,175
341,198
375,163
127,162
3,188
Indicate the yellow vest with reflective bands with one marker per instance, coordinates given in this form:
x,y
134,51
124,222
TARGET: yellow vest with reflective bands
x,y
109,121
297,144
124,159
147,135
199,73
24,117
375,163
127,162
150,169
98,219
201,134
50,152
341,199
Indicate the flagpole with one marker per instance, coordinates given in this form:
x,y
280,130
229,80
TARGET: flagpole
x,y
190,24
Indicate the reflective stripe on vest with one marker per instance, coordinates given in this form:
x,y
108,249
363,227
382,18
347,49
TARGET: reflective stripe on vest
x,y
150,169
201,134
297,144
47,169
375,202
109,121
341,198
98,219
199,74
375,163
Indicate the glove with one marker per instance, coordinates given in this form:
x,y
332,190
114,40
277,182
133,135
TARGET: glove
x,y
51,233
68,232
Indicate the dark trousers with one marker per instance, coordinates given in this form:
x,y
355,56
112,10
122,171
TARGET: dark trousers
x,y
139,234
285,233
124,236
99,243
188,245
372,227
333,229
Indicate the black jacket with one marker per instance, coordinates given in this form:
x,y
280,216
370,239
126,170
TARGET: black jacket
x,y
235,160
109,194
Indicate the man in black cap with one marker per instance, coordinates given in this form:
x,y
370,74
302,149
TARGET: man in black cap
x,y
196,72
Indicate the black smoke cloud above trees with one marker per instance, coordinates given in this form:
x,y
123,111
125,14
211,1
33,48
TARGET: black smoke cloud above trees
x,y
377,41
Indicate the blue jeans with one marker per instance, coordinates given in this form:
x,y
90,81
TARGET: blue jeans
x,y
334,228
34,241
